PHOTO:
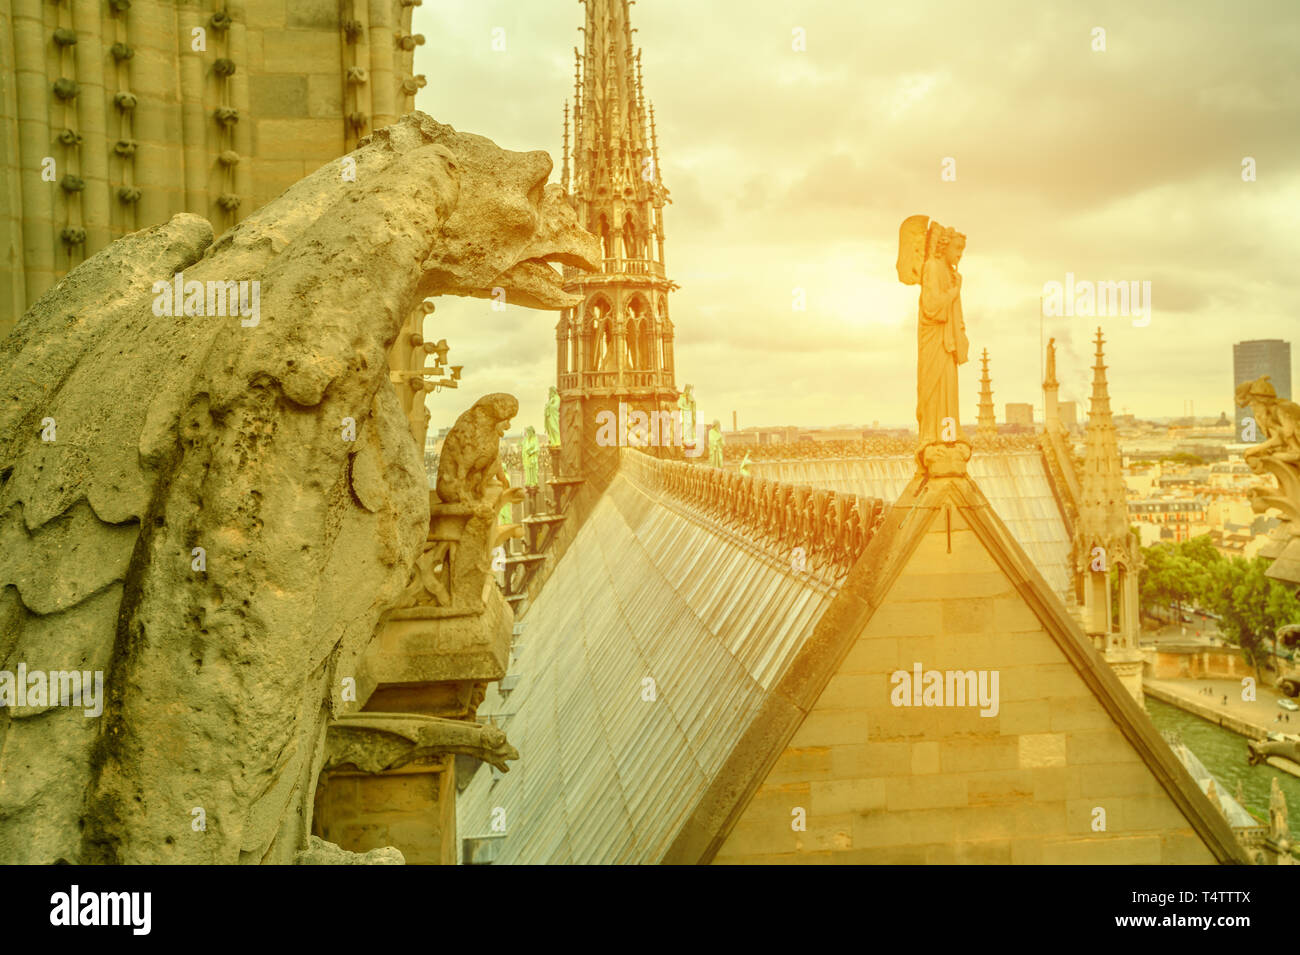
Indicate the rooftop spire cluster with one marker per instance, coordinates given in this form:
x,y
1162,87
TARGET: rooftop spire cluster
x,y
614,166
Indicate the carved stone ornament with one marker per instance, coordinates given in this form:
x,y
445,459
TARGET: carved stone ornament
x,y
379,742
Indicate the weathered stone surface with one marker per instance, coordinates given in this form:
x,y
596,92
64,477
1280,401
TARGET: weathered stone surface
x,y
1279,455
378,742
278,94
320,852
179,432
470,453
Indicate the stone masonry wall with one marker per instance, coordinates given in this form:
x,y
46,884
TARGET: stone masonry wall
x,y
887,784
112,121
412,808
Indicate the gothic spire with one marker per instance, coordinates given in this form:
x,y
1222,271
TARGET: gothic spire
x,y
1103,508
564,169
615,171
1051,393
987,422
616,346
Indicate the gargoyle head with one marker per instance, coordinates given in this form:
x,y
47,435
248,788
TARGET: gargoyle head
x,y
497,749
500,407
1254,753
1257,392
507,225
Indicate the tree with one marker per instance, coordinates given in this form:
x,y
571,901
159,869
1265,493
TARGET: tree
x,y
1250,605
1201,550
1176,573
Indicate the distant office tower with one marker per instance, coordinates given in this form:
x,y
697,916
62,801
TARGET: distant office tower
x,y
1068,412
1020,414
1263,356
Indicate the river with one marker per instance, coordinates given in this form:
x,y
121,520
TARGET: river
x,y
1224,754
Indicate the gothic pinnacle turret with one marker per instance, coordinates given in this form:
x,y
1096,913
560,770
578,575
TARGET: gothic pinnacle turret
x,y
1103,508
987,422
616,348
1102,539
613,157
1107,559
1051,392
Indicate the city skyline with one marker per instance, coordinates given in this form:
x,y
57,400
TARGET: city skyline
x,y
791,169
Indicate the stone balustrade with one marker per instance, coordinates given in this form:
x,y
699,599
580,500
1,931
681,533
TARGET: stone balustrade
x,y
883,446
815,531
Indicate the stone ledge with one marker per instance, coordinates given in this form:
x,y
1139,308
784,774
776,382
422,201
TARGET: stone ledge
x,y
414,650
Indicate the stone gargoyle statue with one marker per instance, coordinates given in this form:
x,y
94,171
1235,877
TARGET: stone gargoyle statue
x,y
379,742
452,570
1277,420
1259,750
471,452
212,507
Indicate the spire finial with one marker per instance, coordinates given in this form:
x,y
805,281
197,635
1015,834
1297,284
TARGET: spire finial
x,y
640,92
564,168
654,143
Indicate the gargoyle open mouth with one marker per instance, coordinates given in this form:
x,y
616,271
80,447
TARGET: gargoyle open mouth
x,y
535,283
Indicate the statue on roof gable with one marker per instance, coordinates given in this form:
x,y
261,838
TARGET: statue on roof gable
x,y
928,254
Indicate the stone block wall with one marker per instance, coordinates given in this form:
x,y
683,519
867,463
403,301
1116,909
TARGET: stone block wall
x,y
413,808
1222,663
879,783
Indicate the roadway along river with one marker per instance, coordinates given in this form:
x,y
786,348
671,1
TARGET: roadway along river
x,y
1224,754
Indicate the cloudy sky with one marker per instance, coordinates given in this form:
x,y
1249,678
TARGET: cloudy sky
x,y
793,169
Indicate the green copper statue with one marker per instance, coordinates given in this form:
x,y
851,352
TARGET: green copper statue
x,y
552,417
686,405
715,445
530,449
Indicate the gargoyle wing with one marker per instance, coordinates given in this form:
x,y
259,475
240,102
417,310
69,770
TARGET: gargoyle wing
x,y
180,509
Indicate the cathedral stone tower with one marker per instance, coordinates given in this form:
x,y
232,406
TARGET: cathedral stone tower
x,y
117,114
616,348
1103,541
